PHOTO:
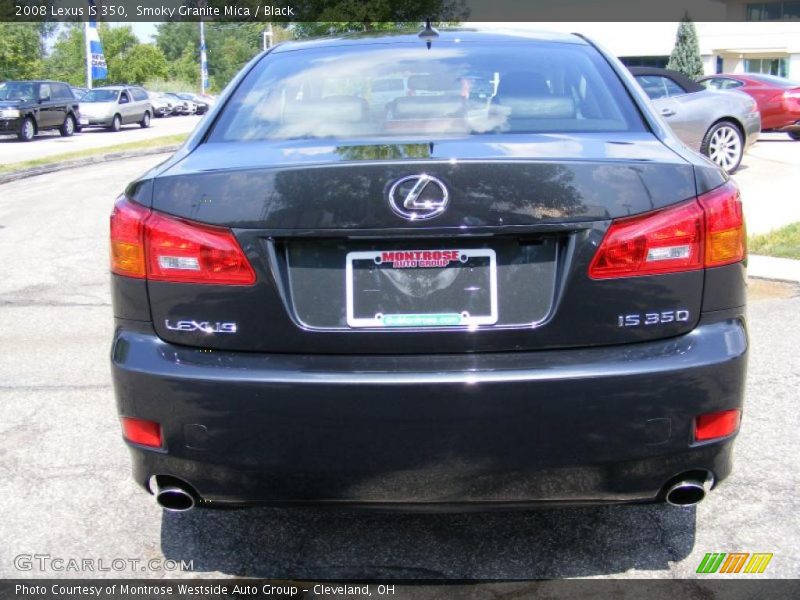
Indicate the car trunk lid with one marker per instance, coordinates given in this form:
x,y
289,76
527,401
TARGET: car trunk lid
x,y
504,267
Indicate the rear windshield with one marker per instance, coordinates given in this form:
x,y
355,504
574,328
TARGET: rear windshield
x,y
387,90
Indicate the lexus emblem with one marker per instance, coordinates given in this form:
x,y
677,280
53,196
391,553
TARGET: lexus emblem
x,y
418,197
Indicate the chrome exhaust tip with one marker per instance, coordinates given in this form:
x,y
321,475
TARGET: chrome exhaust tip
x,y
688,492
175,499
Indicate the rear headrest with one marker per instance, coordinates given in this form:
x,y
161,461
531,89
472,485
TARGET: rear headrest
x,y
433,83
540,107
348,109
523,83
426,107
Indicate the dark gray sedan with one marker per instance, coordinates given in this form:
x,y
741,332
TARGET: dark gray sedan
x,y
509,284
719,124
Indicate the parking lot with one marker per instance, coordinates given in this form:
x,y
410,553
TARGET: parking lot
x,y
68,491
50,143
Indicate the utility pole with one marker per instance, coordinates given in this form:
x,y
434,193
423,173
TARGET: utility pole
x,y
88,47
203,61
266,38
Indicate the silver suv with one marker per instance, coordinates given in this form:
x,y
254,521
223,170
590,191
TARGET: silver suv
x,y
114,106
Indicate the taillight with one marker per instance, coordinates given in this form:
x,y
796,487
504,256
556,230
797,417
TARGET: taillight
x,y
716,425
707,232
141,431
187,252
127,239
662,242
793,94
725,233
163,248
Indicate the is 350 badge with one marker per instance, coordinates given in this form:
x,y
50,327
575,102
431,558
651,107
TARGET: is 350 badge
x,y
653,318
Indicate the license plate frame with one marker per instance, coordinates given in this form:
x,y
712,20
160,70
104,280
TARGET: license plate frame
x,y
460,318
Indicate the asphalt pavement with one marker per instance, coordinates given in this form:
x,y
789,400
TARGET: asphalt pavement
x,y
68,493
769,179
50,143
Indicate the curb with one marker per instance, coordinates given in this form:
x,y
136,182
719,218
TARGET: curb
x,y
773,269
83,162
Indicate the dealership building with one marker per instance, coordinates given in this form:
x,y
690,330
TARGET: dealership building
x,y
758,37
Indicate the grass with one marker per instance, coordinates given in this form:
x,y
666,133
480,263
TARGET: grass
x,y
783,242
167,140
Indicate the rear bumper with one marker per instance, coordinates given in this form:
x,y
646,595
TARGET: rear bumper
x,y
595,425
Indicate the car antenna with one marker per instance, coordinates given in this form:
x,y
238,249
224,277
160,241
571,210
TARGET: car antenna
x,y
429,33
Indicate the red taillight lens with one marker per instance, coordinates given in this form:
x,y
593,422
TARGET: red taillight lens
x,y
708,232
792,96
187,252
662,242
164,248
141,431
716,425
127,239
725,233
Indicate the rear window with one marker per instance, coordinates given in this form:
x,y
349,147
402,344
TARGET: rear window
x,y
388,90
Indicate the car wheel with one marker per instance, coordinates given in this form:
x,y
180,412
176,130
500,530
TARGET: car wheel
x,y
723,144
795,135
145,122
27,131
116,123
67,127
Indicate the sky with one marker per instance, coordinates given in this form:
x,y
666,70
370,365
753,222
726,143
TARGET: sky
x,y
144,31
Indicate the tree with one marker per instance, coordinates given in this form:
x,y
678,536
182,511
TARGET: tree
x,y
118,43
67,61
229,46
20,45
685,55
144,62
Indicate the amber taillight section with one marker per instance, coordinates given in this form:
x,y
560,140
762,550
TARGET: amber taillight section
x,y
706,232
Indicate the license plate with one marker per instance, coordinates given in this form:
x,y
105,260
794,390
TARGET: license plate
x,y
421,288
84,121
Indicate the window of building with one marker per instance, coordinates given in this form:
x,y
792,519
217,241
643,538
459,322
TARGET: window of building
x,y
659,62
768,66
789,10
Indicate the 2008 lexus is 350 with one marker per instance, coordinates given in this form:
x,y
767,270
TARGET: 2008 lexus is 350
x,y
442,271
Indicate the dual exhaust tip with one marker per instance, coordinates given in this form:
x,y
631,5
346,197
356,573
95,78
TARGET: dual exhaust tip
x,y
688,492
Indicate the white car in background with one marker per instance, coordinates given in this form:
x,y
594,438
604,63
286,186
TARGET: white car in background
x,y
182,106
114,106
163,106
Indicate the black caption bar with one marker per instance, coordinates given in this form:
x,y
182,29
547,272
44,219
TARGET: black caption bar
x,y
254,589
375,10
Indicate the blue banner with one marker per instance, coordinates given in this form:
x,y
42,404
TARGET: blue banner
x,y
95,49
